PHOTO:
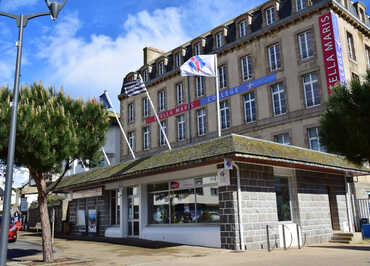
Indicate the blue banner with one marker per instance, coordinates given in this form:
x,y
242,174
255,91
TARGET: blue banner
x,y
338,48
240,89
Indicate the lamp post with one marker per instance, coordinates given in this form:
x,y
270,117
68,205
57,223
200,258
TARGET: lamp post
x,y
21,20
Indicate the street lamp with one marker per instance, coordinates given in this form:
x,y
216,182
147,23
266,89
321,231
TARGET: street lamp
x,y
54,8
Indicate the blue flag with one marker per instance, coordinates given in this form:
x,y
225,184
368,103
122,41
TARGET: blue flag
x,y
104,100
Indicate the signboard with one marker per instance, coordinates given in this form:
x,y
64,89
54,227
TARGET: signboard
x,y
95,192
228,164
212,98
332,50
24,205
223,176
91,221
182,184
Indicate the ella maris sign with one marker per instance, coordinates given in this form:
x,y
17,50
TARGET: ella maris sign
x,y
332,50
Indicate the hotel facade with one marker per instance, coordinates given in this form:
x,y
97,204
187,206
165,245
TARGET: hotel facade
x,y
248,189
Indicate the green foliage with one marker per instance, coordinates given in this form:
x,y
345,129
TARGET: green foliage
x,y
52,128
345,126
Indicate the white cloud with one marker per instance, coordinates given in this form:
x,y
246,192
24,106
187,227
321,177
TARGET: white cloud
x,y
14,4
21,176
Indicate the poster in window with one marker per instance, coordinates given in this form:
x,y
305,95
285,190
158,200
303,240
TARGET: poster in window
x,y
91,220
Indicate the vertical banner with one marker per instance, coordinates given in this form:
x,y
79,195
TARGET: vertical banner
x,y
331,45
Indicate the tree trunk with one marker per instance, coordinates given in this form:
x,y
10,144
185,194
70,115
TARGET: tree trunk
x,y
44,216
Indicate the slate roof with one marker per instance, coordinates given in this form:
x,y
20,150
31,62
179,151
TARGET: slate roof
x,y
207,152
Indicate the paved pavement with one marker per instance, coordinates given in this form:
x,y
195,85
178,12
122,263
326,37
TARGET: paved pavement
x,y
101,253
21,249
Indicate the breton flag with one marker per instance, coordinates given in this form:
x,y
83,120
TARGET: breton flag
x,y
105,101
199,65
134,87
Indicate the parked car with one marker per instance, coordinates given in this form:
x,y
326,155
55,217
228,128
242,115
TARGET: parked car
x,y
12,235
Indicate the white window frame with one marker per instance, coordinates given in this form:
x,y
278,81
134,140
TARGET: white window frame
x,y
199,86
162,100
305,45
178,60
162,139
270,15
367,53
249,101
301,4
285,138
246,67
351,46
280,93
225,115
161,68
131,112
131,140
180,94
219,40
274,57
242,28
197,48
145,107
180,121
201,122
313,86
315,137
146,138
222,76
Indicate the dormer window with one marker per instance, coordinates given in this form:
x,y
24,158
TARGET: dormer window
x,y
362,15
219,41
197,48
243,28
145,75
161,68
301,4
178,60
270,15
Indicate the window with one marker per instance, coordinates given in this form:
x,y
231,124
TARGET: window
x,y
131,112
278,99
362,15
274,57
249,107
190,201
199,86
222,77
197,49
305,45
146,138
243,28
131,140
161,68
225,114
162,100
301,4
282,139
115,203
246,67
180,93
282,199
201,122
162,139
314,139
367,53
270,15
181,127
219,40
351,46
145,75
178,60
311,90
145,107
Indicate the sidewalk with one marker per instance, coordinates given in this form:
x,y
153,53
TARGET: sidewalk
x,y
101,253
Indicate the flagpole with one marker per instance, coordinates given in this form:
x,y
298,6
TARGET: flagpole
x,y
218,99
120,126
105,156
159,122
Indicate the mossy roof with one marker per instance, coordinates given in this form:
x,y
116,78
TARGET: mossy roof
x,y
186,156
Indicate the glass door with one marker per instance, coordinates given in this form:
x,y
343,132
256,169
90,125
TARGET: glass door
x,y
133,211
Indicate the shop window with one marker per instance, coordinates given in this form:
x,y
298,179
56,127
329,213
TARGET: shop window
x,y
283,199
190,201
115,204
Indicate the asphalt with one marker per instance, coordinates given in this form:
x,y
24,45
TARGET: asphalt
x,y
21,249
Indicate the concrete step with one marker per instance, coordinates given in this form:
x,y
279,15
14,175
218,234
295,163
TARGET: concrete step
x,y
340,241
346,238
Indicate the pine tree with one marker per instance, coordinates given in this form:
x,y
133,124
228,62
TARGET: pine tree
x,y
52,130
345,125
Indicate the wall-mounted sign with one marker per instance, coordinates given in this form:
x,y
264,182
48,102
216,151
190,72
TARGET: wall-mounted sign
x,y
182,184
24,205
91,221
331,45
95,192
228,164
223,176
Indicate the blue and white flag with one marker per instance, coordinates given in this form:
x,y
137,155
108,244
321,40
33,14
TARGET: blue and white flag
x,y
104,100
199,65
134,87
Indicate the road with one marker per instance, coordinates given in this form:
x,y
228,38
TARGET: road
x,y
21,249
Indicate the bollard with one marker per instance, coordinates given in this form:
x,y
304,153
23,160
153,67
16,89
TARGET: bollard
x,y
284,242
268,238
